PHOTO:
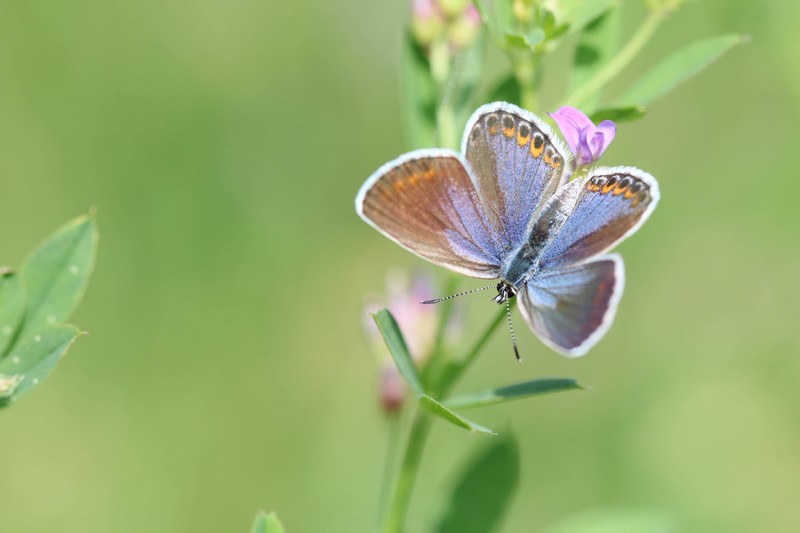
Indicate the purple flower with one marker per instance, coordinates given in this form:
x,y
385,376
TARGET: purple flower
x,y
587,141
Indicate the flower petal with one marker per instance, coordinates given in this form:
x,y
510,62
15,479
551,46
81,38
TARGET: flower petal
x,y
607,130
571,122
584,155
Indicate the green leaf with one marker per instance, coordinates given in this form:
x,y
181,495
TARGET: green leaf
x,y
443,412
55,275
12,308
394,340
266,523
33,360
484,491
512,392
617,521
579,13
419,94
677,68
619,114
528,40
596,45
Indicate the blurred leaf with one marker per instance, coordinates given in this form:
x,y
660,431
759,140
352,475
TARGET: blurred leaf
x,y
441,411
508,90
579,13
678,68
528,40
512,392
34,358
497,16
266,523
619,114
617,521
596,45
468,71
398,348
12,308
55,275
419,94
485,489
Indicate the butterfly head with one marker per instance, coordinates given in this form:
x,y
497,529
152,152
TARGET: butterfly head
x,y
505,291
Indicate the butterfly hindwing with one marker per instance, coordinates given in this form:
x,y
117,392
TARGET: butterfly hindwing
x,y
571,308
518,163
426,202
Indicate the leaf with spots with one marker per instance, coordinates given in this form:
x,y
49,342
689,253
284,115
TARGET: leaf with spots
x,y
33,360
12,307
56,274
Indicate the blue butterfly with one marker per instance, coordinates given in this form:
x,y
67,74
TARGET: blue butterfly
x,y
505,208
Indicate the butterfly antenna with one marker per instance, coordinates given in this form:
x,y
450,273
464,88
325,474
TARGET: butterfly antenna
x,y
511,329
439,300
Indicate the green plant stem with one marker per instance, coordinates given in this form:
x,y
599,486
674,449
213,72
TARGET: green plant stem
x,y
597,82
525,64
388,471
450,378
395,519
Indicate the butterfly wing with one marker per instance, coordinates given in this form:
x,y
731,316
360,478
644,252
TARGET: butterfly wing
x,y
518,163
570,309
613,203
426,202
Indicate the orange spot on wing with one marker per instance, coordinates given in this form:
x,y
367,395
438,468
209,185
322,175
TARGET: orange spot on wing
x,y
537,152
522,141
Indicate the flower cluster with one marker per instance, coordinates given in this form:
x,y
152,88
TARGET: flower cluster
x,y
456,22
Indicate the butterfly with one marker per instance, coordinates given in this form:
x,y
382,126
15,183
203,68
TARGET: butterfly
x,y
506,209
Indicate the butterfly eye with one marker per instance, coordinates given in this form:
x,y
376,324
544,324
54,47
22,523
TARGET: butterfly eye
x,y
537,146
523,134
612,181
492,124
475,136
508,125
633,189
623,184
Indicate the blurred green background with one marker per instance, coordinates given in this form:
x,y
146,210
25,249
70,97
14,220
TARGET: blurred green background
x,y
222,144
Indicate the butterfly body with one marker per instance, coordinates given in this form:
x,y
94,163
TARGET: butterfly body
x,y
506,209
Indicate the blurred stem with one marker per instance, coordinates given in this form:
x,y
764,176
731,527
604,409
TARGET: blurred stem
x,y
450,378
395,519
619,62
391,452
437,355
525,65
442,72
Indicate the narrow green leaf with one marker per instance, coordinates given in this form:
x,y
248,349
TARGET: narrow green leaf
x,y
485,489
419,94
619,114
596,45
12,308
266,523
527,40
677,68
579,13
398,348
55,275
441,411
512,392
33,360
616,520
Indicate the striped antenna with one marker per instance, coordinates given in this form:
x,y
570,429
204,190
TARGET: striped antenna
x,y
511,329
439,300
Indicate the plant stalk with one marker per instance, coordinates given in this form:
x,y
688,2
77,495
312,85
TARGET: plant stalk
x,y
597,82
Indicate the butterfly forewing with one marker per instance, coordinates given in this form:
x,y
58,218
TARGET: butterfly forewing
x,y
426,202
570,309
518,163
612,204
